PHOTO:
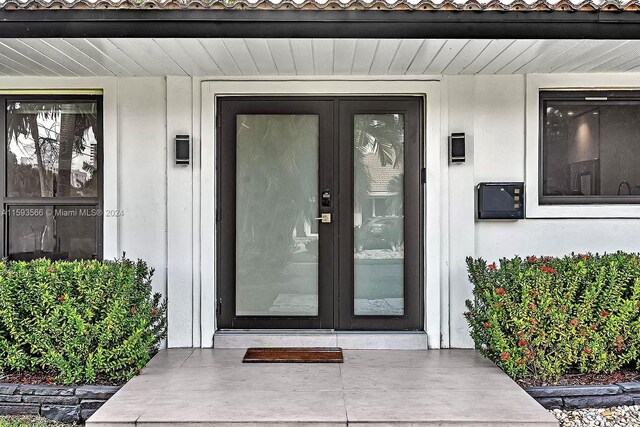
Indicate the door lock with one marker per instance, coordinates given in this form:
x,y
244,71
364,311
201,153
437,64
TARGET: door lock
x,y
325,218
326,198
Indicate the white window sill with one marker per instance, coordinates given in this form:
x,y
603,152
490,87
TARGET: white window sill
x,y
535,210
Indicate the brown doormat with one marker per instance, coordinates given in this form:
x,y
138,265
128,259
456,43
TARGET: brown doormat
x,y
293,355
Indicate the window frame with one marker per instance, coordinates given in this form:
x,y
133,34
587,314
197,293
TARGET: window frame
x,y
83,202
614,96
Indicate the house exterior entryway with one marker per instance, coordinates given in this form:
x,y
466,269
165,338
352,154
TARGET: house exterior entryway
x,y
319,213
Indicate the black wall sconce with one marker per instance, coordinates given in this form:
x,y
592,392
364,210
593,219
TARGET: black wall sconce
x,y
182,150
457,148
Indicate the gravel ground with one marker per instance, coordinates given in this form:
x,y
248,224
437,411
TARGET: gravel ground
x,y
618,416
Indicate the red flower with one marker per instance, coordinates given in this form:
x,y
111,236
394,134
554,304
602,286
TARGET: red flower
x,y
594,326
586,350
62,298
492,266
584,256
522,343
487,325
573,322
532,306
549,270
154,312
532,258
533,293
533,321
504,356
133,310
500,291
51,269
604,313
521,362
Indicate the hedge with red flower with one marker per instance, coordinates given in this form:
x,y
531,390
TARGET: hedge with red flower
x,y
541,317
79,320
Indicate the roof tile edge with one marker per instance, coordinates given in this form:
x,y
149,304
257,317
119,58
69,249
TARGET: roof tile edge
x,y
422,5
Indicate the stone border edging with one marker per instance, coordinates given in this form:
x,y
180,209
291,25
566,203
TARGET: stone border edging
x,y
586,396
67,404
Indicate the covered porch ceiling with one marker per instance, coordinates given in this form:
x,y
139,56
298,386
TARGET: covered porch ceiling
x,y
312,57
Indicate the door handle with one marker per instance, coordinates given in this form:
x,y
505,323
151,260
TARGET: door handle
x,y
325,218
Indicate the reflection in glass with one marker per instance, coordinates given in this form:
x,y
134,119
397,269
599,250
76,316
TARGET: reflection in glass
x,y
52,149
591,149
378,214
276,202
54,232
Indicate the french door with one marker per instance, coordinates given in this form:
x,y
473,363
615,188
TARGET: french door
x,y
319,219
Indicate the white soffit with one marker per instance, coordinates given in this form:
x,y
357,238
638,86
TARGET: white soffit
x,y
290,57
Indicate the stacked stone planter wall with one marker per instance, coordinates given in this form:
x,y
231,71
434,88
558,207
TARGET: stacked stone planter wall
x,y
67,404
588,396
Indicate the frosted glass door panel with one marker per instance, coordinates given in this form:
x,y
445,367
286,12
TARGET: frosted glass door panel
x,y
276,204
378,214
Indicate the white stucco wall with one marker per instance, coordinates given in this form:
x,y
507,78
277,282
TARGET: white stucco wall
x,y
491,110
134,164
495,131
142,173
164,204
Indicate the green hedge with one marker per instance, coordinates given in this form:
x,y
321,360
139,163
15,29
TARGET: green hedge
x,y
80,321
544,317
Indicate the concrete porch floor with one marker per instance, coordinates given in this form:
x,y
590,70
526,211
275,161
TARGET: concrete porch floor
x,y
374,387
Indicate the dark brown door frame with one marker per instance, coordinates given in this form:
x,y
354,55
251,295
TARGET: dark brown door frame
x,y
411,109
229,108
336,130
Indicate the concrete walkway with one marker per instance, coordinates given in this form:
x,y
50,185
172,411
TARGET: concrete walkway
x,y
376,387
